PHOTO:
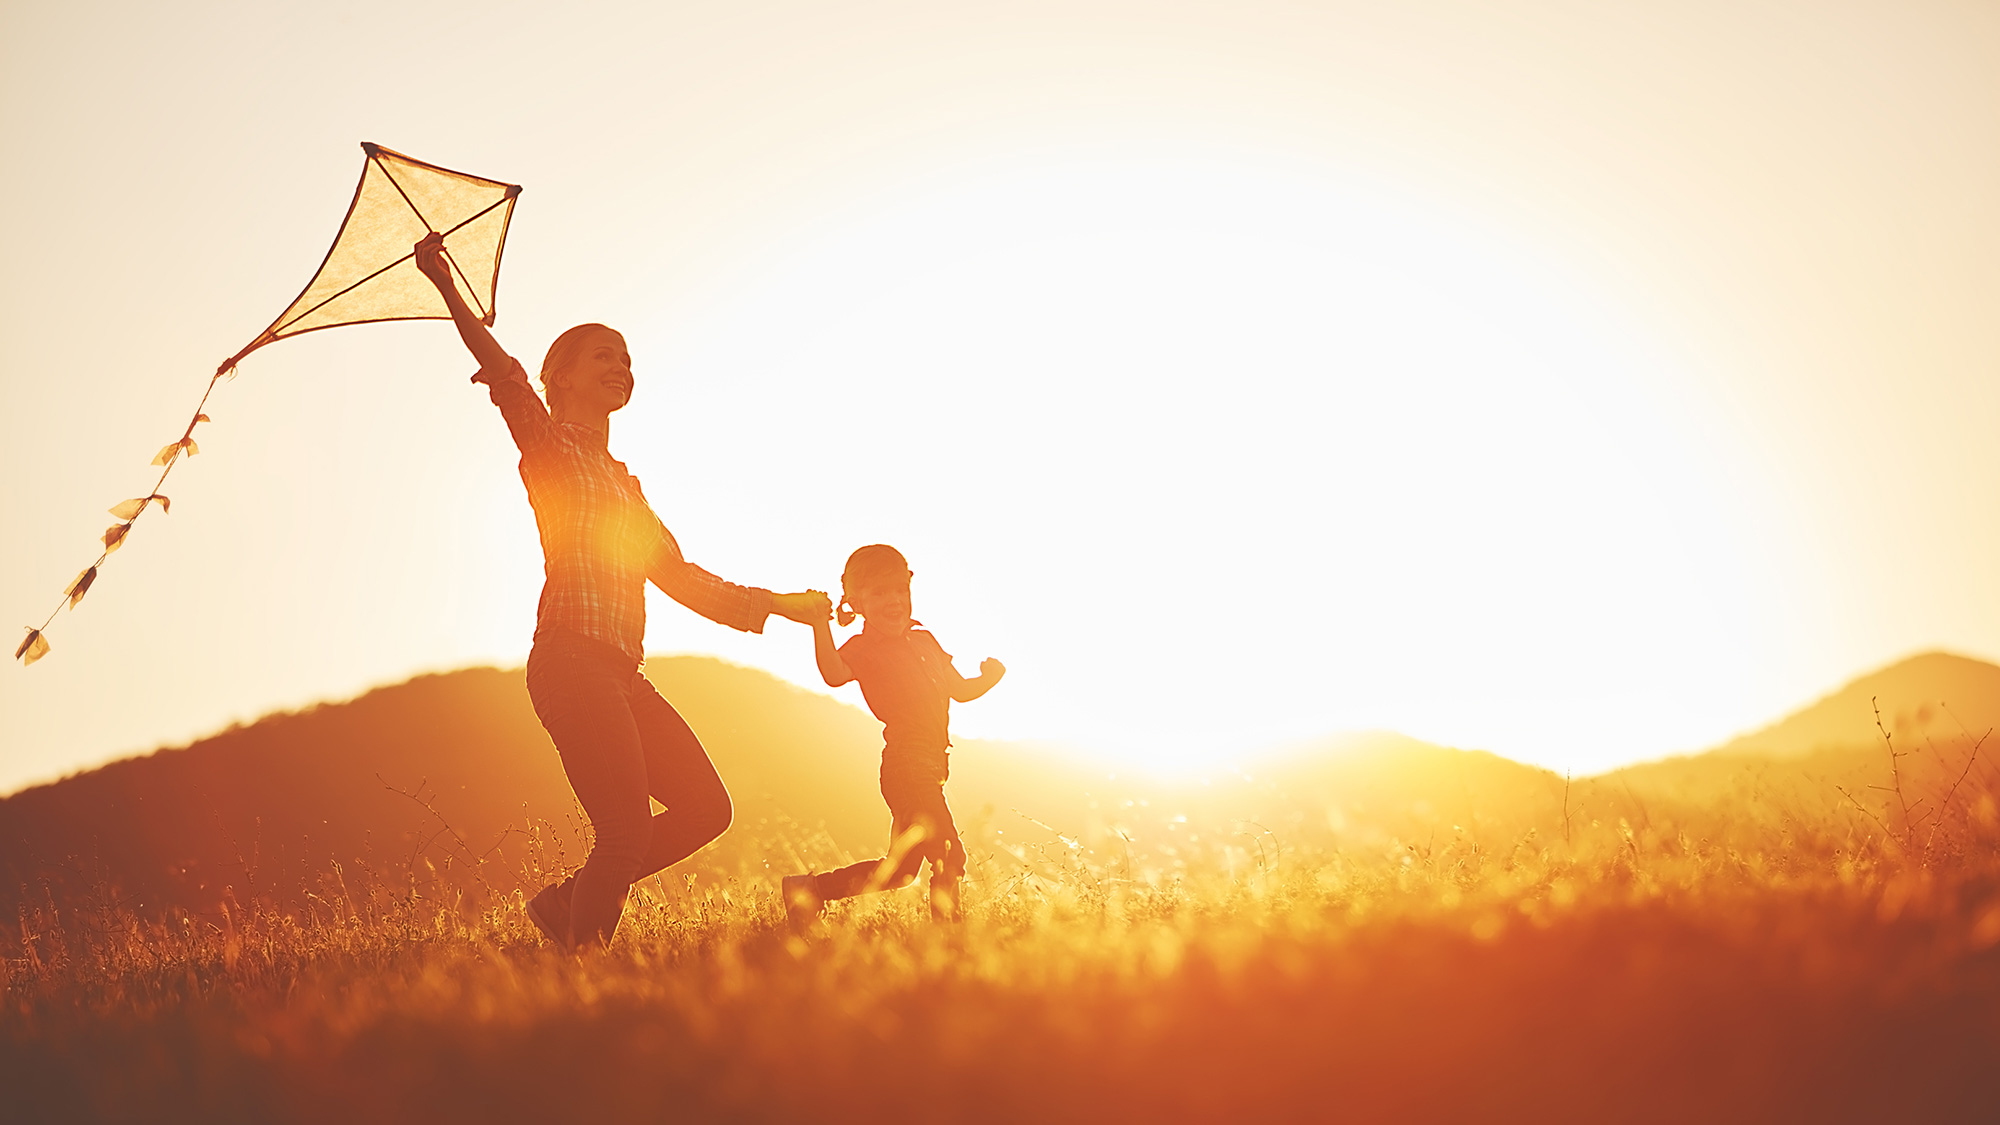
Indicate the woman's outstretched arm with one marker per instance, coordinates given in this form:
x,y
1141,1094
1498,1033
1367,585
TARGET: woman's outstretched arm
x,y
725,603
526,414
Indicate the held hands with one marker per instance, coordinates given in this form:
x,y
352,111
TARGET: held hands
x,y
807,607
431,262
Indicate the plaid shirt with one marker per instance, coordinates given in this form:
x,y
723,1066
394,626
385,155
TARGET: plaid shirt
x,y
600,539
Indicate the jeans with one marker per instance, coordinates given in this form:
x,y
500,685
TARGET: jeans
x,y
621,744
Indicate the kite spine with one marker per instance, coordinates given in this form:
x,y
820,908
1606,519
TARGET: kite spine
x,y
35,645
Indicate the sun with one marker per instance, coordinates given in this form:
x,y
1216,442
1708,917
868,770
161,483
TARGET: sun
x,y
1219,451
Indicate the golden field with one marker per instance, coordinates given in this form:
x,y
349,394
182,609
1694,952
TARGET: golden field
x,y
1391,933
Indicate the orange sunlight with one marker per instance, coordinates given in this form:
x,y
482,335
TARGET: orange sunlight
x,y
1583,385
1223,450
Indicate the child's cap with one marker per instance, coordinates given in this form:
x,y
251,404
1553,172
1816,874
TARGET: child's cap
x,y
871,561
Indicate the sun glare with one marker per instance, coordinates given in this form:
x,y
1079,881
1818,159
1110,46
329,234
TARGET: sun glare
x,y
1218,453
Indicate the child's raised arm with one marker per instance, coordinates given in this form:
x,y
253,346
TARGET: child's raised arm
x,y
832,668
967,690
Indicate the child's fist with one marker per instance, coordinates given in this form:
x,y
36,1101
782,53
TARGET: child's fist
x,y
992,669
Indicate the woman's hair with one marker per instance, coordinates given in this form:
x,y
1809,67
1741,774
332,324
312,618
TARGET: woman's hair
x,y
872,561
563,352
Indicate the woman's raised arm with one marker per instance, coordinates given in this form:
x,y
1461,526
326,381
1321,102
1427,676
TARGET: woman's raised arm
x,y
478,338
527,416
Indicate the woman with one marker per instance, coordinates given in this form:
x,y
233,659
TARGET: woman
x,y
621,743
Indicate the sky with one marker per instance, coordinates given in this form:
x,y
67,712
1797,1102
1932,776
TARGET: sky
x,y
1585,382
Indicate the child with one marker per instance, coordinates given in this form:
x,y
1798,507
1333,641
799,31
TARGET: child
x,y
909,683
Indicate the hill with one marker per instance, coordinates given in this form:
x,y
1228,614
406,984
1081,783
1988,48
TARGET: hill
x,y
1935,696
449,781
446,775
1937,709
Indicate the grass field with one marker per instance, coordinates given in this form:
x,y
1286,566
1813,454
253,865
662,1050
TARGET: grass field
x,y
1749,960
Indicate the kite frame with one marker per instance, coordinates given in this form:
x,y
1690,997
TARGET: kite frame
x,y
375,153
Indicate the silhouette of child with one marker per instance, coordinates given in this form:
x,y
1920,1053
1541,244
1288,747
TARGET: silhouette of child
x,y
909,683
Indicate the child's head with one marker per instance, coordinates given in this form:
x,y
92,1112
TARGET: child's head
x,y
876,585
588,361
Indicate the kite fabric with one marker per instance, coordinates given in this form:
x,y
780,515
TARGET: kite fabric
x,y
369,274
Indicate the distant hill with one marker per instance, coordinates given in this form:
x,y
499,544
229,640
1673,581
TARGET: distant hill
x,y
439,771
1924,697
449,782
1937,708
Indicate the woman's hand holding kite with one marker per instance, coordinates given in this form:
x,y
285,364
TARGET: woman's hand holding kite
x,y
436,266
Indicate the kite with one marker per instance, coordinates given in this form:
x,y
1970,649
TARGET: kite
x,y
369,274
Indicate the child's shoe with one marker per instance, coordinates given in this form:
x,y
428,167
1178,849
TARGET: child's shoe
x,y
802,901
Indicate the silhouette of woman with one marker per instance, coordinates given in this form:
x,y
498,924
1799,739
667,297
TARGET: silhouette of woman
x,y
621,743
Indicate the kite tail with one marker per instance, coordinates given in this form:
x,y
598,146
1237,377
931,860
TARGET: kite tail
x,y
127,512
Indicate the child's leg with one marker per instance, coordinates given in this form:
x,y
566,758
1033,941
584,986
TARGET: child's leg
x,y
923,830
947,861
891,872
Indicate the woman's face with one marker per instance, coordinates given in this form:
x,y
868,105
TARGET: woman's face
x,y
600,378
